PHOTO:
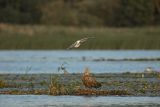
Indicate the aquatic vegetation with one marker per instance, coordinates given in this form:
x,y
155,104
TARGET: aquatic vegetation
x,y
2,84
60,37
55,88
127,59
31,86
5,84
73,86
42,83
101,92
112,84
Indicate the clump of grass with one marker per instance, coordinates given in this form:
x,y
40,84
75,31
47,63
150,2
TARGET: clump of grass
x,y
43,83
56,88
31,86
142,91
72,87
2,84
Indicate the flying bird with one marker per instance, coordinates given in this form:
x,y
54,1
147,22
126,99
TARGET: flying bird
x,y
78,42
90,81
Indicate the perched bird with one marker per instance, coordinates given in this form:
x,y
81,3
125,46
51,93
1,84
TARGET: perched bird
x,y
62,67
148,70
89,81
78,42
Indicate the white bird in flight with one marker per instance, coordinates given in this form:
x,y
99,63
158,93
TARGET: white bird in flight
x,y
78,42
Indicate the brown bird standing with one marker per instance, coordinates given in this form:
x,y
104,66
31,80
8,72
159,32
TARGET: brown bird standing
x,y
89,81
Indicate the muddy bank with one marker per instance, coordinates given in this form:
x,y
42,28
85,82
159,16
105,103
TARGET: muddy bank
x,y
133,84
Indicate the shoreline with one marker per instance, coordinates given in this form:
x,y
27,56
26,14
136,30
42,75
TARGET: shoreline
x,y
117,84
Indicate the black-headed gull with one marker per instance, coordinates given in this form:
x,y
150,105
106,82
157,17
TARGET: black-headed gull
x,y
78,42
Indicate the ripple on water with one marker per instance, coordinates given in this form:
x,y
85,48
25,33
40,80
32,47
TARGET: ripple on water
x,y
78,101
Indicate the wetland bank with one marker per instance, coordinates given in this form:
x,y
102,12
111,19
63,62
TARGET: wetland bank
x,y
32,72
26,76
124,89
130,84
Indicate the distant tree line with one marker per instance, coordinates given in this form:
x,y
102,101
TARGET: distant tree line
x,y
81,12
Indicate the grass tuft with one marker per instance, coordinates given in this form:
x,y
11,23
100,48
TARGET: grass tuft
x,y
57,88
2,84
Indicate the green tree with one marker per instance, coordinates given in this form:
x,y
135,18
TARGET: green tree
x,y
102,9
65,12
134,13
81,12
57,13
20,11
156,11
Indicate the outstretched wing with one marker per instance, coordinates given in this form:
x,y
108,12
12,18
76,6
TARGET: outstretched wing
x,y
81,40
71,46
84,39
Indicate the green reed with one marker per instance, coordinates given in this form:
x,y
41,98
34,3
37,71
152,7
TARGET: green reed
x,y
50,37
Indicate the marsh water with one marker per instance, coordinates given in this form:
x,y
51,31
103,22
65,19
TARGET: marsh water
x,y
99,61
76,101
109,61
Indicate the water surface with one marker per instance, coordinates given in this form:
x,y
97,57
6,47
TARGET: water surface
x,y
44,61
76,101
